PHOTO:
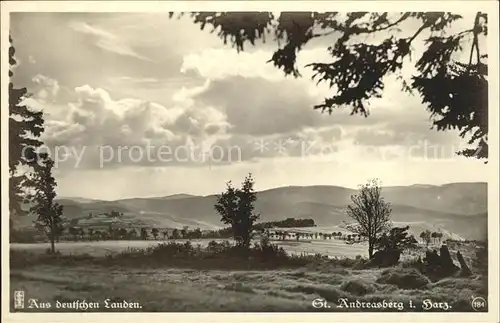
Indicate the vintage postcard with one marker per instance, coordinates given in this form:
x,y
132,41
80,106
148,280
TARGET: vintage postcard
x,y
294,161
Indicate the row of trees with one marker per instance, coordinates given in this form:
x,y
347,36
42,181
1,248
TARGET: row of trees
x,y
283,235
427,237
111,233
287,223
370,212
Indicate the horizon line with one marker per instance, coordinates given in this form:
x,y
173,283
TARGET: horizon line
x,y
259,191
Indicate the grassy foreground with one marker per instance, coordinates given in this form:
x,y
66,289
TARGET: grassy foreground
x,y
129,282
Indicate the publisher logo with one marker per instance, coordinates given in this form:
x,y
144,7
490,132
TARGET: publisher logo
x,y
478,303
19,299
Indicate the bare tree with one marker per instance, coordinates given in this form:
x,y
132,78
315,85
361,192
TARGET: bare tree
x,y
371,213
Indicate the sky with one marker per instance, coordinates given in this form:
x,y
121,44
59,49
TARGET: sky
x,y
143,105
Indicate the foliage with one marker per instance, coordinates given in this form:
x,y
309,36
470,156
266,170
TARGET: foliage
x,y
262,226
391,245
396,240
47,210
236,207
74,232
426,237
154,233
184,231
195,234
371,213
175,234
215,253
25,128
437,236
287,223
223,233
144,234
454,92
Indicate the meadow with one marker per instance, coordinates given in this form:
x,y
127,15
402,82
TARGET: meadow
x,y
117,277
331,248
172,289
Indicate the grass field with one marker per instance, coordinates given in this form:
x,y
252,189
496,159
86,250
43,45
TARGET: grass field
x,y
168,288
181,290
331,248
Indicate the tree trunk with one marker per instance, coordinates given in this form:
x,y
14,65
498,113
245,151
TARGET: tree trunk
x,y
370,248
52,238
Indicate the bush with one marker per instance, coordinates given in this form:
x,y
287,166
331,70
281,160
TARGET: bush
x,y
404,278
480,260
215,254
267,251
391,245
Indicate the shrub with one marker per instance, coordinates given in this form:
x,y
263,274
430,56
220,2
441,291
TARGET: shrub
x,y
404,278
480,260
391,245
268,251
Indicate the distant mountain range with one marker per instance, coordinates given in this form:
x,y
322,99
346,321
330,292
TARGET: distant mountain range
x,y
460,209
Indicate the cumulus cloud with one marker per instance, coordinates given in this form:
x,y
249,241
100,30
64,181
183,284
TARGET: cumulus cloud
x,y
260,107
46,88
226,120
94,119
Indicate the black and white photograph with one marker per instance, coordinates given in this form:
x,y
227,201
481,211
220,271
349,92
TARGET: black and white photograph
x,y
251,160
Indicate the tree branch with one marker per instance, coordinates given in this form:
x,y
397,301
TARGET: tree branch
x,y
367,30
417,33
475,42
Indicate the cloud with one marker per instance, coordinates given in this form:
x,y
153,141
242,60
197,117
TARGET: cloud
x,y
257,106
227,120
141,81
94,119
46,88
107,41
221,63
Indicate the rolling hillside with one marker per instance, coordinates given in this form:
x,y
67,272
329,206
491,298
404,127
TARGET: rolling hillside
x,y
460,208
